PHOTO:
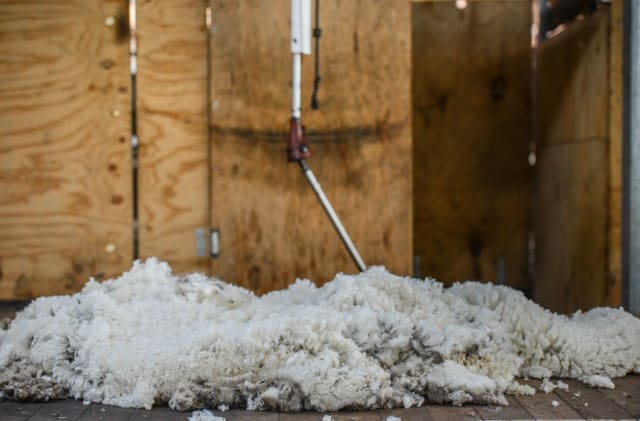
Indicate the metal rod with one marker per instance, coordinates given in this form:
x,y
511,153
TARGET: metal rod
x,y
344,236
631,154
295,85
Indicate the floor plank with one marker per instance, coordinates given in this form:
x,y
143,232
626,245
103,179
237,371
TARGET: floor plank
x,y
514,411
410,414
302,416
590,403
626,394
541,406
68,410
355,416
160,414
239,415
445,412
99,412
17,411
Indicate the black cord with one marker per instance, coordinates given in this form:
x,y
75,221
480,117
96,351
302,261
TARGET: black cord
x,y
317,33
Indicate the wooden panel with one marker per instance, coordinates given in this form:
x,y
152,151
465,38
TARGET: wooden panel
x,y
572,83
572,173
272,229
172,112
613,292
65,212
570,226
471,112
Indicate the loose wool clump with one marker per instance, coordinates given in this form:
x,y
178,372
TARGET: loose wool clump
x,y
372,340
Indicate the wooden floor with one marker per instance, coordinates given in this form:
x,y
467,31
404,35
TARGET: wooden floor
x,y
579,402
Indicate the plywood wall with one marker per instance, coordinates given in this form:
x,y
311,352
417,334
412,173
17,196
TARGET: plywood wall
x,y
471,133
172,115
577,216
272,229
65,169
65,202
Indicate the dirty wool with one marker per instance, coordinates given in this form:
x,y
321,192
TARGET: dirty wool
x,y
370,340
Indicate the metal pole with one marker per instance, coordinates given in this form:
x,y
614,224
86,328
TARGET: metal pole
x,y
631,154
297,149
344,236
295,85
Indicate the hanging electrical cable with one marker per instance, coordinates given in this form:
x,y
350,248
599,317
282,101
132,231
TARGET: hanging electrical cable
x,y
133,70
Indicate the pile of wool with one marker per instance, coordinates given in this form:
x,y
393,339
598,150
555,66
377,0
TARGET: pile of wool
x,y
370,340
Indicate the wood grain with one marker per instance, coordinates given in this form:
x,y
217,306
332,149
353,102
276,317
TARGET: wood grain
x,y
471,107
570,226
65,209
613,292
626,394
18,411
406,414
540,405
272,229
514,411
572,198
99,412
69,410
162,414
443,413
572,83
172,112
590,403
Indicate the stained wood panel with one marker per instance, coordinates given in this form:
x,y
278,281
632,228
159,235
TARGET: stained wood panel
x,y
272,229
613,292
172,113
65,208
573,200
471,110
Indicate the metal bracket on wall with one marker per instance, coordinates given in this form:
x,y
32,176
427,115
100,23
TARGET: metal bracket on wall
x,y
201,242
214,238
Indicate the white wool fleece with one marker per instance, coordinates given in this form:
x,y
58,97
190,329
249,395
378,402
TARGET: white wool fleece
x,y
371,340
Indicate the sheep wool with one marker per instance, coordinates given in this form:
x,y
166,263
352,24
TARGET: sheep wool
x,y
371,340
